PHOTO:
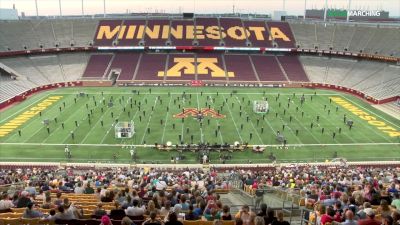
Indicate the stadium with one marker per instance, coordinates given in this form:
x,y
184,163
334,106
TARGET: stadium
x,y
248,106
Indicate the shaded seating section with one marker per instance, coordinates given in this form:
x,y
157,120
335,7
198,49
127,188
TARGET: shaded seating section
x,y
205,39
234,27
241,66
262,34
267,68
178,30
293,68
126,63
97,65
149,67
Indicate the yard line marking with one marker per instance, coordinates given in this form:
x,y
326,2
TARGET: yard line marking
x,y
151,146
201,129
330,121
35,118
148,121
207,93
90,131
108,131
371,112
24,109
266,120
217,120
251,122
76,127
234,123
166,120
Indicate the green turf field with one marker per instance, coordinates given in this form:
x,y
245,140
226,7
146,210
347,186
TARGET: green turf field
x,y
96,143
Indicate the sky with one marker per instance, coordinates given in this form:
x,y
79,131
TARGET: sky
x,y
293,7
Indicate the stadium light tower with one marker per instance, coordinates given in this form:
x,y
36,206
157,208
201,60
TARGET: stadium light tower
x,y
59,4
305,9
104,7
82,10
37,10
348,10
326,10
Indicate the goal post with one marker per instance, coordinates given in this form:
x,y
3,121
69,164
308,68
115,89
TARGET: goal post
x,y
124,129
260,106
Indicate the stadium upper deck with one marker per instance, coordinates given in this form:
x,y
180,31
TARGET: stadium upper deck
x,y
211,33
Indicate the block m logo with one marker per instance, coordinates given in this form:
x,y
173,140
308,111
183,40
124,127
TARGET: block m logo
x,y
187,65
195,112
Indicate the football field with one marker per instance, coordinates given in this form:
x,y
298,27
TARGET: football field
x,y
84,119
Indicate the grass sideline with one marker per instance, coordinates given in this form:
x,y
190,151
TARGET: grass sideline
x,y
96,143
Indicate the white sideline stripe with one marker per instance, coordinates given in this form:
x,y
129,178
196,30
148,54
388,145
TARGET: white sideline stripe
x,y
148,121
370,112
201,129
127,145
23,109
209,93
166,120
234,123
254,128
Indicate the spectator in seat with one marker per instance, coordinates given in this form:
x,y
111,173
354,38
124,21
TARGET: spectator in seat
x,y
270,216
280,220
61,215
127,221
23,200
5,203
383,208
107,197
226,214
31,213
52,215
151,207
58,200
361,213
173,219
349,218
259,220
191,215
396,201
152,219
79,189
370,220
99,211
166,209
245,215
105,220
135,210
117,213
396,216
31,189
47,203
387,220
328,217
88,189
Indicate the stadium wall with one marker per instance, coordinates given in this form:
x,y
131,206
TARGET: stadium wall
x,y
21,97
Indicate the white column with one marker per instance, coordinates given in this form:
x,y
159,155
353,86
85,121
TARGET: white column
x,y
348,11
83,13
326,10
59,4
37,10
104,7
305,9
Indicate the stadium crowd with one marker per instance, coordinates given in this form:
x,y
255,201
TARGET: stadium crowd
x,y
352,195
